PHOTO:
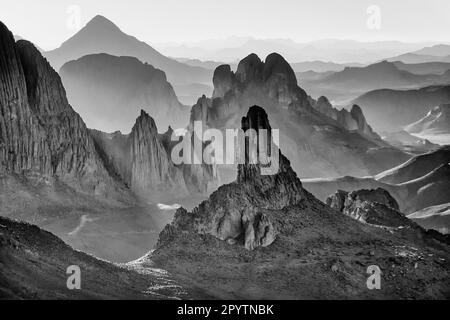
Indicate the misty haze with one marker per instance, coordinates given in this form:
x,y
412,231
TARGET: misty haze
x,y
107,111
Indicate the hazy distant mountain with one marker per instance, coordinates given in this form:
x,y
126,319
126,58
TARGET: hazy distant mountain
x,y
188,93
317,66
408,142
338,51
436,121
424,68
420,182
439,50
353,81
419,58
100,35
434,217
389,110
312,75
109,92
208,64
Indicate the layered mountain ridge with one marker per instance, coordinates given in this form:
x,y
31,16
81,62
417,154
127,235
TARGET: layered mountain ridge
x,y
306,134
103,87
100,35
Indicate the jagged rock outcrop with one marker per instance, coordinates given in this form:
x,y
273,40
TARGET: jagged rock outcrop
x,y
152,170
142,159
238,212
352,120
375,206
39,130
316,144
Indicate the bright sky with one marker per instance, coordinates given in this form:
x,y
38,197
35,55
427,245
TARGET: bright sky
x,y
45,22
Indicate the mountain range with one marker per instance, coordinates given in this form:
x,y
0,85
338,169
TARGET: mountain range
x,y
353,81
100,35
418,183
307,134
436,121
389,109
336,50
257,236
110,91
436,53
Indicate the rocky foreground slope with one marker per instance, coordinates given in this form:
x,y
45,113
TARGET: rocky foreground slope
x,y
266,237
33,265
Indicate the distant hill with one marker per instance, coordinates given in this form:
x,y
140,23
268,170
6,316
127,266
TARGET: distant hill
x,y
317,66
419,58
436,121
434,217
389,110
424,68
100,35
418,183
353,81
439,50
110,91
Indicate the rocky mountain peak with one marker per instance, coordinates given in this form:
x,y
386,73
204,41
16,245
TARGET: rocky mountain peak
x,y
276,66
374,206
223,80
100,26
153,174
249,68
257,120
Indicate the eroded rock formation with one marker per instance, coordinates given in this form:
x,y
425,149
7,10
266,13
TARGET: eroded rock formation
x,y
240,212
375,206
39,130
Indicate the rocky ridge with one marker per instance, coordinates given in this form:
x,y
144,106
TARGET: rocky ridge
x,y
40,132
352,120
307,135
375,206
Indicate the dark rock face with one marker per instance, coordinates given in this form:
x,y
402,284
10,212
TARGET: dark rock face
x,y
370,206
236,212
39,131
